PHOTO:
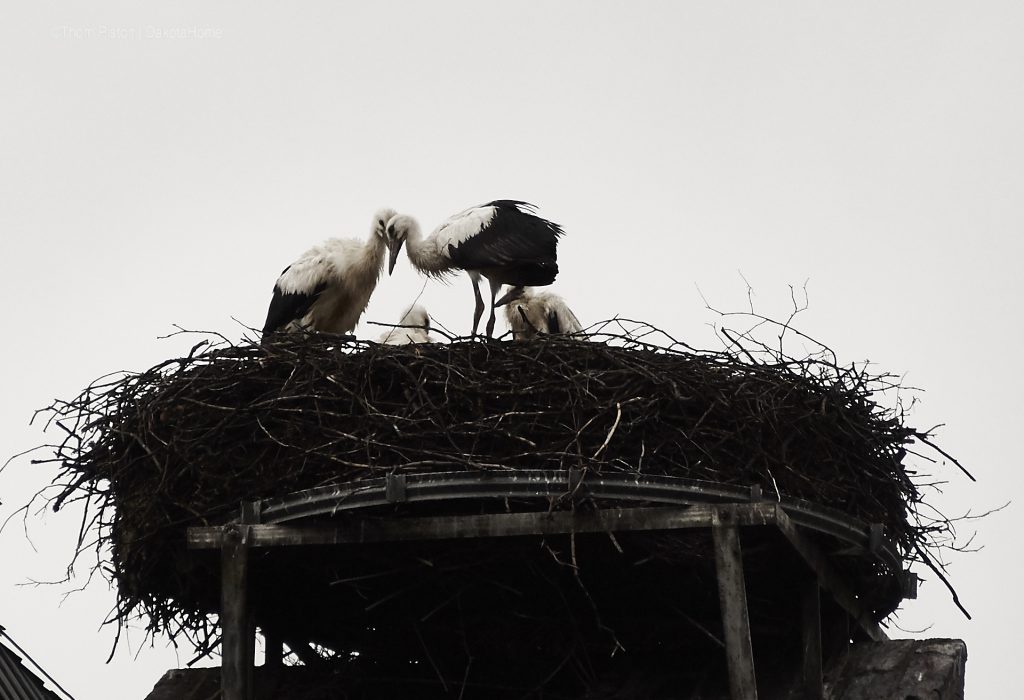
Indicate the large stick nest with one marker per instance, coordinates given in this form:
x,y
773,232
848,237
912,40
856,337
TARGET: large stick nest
x,y
185,442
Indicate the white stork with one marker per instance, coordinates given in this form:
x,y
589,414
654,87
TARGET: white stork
x,y
503,241
414,327
530,314
328,288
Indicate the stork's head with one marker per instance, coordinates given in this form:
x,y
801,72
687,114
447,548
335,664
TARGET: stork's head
x,y
513,294
416,315
380,222
399,228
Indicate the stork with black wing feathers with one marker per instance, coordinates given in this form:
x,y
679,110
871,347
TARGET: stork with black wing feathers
x,y
504,241
328,288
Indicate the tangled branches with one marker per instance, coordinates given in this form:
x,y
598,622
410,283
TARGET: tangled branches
x,y
184,442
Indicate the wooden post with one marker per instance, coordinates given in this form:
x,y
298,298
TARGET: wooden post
x,y
733,596
811,636
236,638
249,645
273,649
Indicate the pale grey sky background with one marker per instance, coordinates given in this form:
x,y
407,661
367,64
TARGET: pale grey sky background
x,y
872,147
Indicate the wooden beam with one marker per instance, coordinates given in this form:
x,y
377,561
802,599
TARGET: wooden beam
x,y
360,530
273,649
236,640
497,525
305,653
249,647
827,577
810,614
732,594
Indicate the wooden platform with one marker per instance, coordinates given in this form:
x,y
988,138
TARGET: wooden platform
x,y
306,525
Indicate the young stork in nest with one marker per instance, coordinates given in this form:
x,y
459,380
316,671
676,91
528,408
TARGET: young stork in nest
x,y
328,288
503,241
413,327
529,314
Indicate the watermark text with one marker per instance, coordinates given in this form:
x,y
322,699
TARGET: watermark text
x,y
111,32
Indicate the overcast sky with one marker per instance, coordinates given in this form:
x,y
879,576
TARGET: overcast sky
x,y
161,163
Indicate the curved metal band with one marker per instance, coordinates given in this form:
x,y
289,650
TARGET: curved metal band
x,y
543,485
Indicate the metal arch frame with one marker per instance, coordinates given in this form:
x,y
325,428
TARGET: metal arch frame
x,y
541,484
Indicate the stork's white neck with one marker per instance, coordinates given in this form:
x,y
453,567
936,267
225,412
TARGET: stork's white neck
x,y
423,253
375,248
369,262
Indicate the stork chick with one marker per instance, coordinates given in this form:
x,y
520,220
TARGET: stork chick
x,y
328,287
403,334
529,314
503,241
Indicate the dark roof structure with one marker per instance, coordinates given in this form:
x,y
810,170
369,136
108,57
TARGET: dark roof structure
x,y
900,668
16,681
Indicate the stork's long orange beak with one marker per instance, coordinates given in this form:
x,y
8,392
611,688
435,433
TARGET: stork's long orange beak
x,y
394,246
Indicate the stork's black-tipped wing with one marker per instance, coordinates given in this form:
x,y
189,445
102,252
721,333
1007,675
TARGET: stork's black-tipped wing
x,y
513,238
288,307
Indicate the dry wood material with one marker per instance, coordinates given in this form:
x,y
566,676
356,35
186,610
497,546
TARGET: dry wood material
x,y
732,593
829,579
234,540
237,637
369,530
182,444
811,635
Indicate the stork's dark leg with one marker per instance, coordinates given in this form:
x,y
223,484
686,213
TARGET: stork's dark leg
x,y
495,288
479,301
